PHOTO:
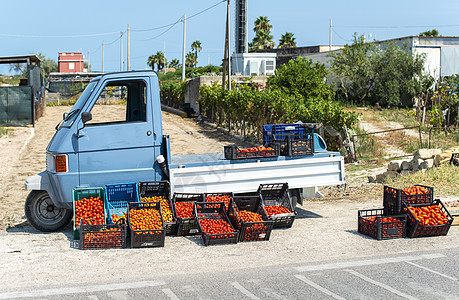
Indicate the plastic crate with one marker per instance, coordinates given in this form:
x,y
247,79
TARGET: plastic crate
x,y
374,223
227,204
250,231
416,229
102,236
280,132
186,226
277,194
454,159
394,198
216,211
159,189
146,238
117,197
232,152
81,193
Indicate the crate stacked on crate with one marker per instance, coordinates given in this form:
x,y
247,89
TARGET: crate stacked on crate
x,y
183,210
277,204
117,198
220,197
151,191
88,204
213,223
293,139
430,219
249,217
146,224
394,198
233,152
104,236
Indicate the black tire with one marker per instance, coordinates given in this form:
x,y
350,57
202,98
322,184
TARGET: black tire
x,y
295,195
43,214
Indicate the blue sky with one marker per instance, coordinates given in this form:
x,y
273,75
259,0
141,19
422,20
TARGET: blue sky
x,y
30,26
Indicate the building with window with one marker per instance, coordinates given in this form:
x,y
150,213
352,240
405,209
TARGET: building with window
x,y
253,63
70,62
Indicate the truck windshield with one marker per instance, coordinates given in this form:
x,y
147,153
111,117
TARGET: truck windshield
x,y
68,121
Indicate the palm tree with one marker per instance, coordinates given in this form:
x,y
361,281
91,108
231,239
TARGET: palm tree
x,y
174,63
262,23
263,40
196,46
151,61
287,41
190,59
161,60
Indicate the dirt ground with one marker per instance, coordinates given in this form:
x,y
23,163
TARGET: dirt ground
x,y
324,229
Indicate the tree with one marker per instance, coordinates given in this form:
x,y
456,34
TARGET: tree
x,y
196,46
160,60
151,61
190,60
262,23
263,37
174,63
287,41
433,32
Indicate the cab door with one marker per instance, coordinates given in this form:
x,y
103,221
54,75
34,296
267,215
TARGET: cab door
x,y
119,144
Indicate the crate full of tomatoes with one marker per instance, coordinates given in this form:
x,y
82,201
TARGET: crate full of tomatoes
x,y
373,223
395,198
277,204
152,191
183,210
233,152
104,236
431,219
88,204
249,217
146,224
220,197
214,224
117,198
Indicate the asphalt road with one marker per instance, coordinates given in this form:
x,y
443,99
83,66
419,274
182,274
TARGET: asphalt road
x,y
416,275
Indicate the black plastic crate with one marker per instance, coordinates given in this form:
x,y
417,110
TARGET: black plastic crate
x,y
277,194
416,229
117,197
214,211
454,159
147,237
394,198
228,196
250,231
186,226
159,189
81,193
374,223
105,236
233,152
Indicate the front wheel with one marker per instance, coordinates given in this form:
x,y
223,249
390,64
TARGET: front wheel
x,y
43,214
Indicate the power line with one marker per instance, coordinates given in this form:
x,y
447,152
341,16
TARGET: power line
x,y
162,33
341,36
56,36
395,26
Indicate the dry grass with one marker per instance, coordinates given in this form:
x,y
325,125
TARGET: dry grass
x,y
444,180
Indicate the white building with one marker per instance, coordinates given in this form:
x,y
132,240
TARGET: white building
x,y
253,63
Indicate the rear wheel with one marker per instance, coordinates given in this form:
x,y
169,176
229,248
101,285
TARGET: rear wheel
x,y
43,214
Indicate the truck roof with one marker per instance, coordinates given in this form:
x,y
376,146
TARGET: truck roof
x,y
127,74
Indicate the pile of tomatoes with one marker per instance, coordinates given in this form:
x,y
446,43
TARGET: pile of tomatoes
x,y
429,215
415,190
220,198
255,149
116,218
248,216
184,210
91,210
383,219
165,207
145,219
276,210
217,228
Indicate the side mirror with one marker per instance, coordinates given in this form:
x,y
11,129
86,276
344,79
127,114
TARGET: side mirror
x,y
86,116
64,116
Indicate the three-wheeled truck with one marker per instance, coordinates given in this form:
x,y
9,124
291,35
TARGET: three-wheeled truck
x,y
89,151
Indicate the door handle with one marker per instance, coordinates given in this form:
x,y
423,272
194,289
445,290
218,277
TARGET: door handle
x,y
148,132
78,135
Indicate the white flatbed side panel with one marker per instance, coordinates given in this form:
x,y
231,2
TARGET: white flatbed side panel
x,y
246,177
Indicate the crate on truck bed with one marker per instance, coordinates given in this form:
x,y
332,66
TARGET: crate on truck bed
x,y
118,196
293,139
233,152
210,214
159,191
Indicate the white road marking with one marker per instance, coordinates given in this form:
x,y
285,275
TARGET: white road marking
x,y
169,293
93,297
318,287
81,289
368,262
382,285
432,271
244,291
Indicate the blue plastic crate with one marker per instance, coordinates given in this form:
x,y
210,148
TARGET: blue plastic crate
x,y
117,198
279,132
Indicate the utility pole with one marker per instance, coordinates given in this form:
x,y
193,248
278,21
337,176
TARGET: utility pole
x,y
103,46
88,62
121,51
229,45
330,42
128,49
183,52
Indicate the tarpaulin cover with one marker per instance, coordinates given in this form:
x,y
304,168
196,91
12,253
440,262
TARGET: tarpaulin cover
x,y
16,105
